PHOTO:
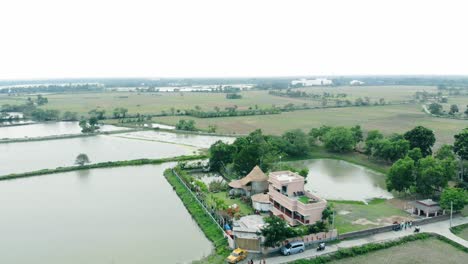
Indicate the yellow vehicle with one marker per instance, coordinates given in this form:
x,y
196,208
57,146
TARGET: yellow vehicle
x,y
237,255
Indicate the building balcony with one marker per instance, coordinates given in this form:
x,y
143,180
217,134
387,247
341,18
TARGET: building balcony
x,y
307,206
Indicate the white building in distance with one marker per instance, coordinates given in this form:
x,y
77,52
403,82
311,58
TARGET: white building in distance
x,y
314,82
356,82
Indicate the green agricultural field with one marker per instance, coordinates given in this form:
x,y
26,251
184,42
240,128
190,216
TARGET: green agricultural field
x,y
389,93
388,119
354,216
155,103
11,100
427,251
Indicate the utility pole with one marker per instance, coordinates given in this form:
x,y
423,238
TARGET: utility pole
x,y
333,219
451,213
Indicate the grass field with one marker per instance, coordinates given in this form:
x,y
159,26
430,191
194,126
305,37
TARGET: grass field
x,y
244,208
388,119
461,231
355,216
427,251
154,103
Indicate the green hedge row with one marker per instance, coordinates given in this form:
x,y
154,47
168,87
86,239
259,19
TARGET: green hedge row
x,y
361,250
457,229
107,164
453,243
204,221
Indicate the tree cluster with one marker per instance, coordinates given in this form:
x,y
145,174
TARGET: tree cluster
x,y
419,171
89,125
337,139
387,149
233,96
187,125
44,115
118,112
276,230
257,149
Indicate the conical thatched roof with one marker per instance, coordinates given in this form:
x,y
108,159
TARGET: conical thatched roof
x,y
236,184
256,175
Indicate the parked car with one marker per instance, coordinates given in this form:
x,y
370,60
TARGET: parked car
x,y
293,248
237,255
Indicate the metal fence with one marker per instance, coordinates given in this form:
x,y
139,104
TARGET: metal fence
x,y
219,220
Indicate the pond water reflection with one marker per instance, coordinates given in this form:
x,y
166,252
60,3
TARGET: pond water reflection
x,y
47,129
341,180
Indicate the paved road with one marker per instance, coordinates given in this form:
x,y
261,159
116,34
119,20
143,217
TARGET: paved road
x,y
441,228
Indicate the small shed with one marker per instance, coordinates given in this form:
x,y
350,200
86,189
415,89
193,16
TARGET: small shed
x,y
426,207
261,202
246,232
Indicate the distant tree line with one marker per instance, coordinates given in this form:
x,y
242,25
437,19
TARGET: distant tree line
x,y
30,109
52,89
297,93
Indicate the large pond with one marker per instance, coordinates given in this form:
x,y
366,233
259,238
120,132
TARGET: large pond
x,y
341,180
112,215
200,141
47,129
36,155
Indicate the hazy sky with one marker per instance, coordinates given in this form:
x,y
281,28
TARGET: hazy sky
x,y
139,38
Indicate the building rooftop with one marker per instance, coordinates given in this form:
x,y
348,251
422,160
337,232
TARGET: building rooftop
x,y
249,223
261,198
256,175
427,202
286,176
